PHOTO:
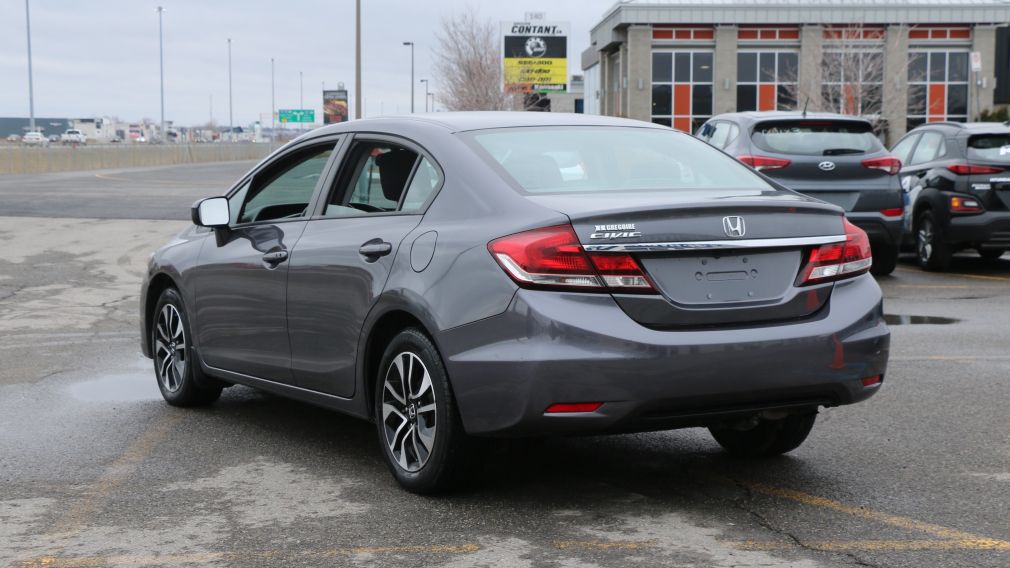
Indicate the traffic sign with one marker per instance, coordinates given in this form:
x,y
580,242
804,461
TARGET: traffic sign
x,y
296,115
976,61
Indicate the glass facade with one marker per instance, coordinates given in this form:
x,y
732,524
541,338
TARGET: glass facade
x,y
682,88
937,86
853,81
766,80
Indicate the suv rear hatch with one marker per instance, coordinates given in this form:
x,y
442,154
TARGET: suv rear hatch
x,y
834,160
988,169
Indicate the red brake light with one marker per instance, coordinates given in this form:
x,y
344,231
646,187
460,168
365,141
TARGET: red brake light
x,y
553,258
763,163
888,164
892,212
838,260
968,169
573,407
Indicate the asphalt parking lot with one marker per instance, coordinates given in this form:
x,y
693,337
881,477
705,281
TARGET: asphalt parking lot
x,y
95,470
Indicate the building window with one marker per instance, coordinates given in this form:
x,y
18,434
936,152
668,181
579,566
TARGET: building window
x,y
853,81
937,86
681,88
684,33
766,33
766,80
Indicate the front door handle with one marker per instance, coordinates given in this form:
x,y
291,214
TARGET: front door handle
x,y
275,257
373,249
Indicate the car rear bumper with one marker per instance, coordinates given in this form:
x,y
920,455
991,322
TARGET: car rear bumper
x,y
551,347
881,230
991,229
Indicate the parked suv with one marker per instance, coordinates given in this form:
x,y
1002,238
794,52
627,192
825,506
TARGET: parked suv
x,y
957,176
832,157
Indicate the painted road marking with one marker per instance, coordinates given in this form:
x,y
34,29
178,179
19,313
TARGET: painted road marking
x,y
604,544
951,358
871,545
958,275
949,539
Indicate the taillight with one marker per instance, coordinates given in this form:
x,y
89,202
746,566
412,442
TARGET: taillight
x,y
553,258
968,169
892,212
888,164
764,163
965,205
838,260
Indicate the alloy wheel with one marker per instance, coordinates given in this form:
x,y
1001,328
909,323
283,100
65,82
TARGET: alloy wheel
x,y
408,411
924,240
170,348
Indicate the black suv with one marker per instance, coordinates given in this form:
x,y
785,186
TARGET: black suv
x,y
957,178
832,157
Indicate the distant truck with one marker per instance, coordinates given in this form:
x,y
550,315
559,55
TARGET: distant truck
x,y
73,136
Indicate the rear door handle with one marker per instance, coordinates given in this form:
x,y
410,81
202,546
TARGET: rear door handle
x,y
374,249
275,257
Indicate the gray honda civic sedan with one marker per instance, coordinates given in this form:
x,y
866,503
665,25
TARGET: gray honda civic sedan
x,y
454,277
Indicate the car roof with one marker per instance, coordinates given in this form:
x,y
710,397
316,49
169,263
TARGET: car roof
x,y
758,116
465,121
966,128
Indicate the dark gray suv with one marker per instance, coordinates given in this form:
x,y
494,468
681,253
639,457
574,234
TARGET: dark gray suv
x,y
832,157
458,276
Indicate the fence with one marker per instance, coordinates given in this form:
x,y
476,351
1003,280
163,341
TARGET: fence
x,y
30,160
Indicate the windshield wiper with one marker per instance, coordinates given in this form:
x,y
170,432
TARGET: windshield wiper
x,y
840,151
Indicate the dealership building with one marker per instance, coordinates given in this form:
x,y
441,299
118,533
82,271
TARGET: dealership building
x,y
902,62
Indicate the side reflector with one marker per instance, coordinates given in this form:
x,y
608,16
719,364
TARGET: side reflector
x,y
563,407
873,381
892,212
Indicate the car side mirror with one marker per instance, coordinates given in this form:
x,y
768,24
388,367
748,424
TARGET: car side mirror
x,y
211,212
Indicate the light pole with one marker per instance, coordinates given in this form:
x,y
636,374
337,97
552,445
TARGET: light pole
x,y
432,95
31,88
411,44
358,59
161,66
425,81
301,98
273,103
231,117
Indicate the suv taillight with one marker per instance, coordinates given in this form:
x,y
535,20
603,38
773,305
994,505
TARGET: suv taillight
x,y
552,258
968,169
838,260
888,164
764,163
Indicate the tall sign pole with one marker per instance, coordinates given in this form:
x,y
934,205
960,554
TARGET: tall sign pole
x,y
231,117
31,87
358,59
273,103
161,67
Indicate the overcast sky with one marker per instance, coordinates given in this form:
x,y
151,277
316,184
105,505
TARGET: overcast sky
x,y
100,57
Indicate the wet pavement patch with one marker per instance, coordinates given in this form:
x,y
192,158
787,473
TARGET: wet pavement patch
x,y
116,388
897,319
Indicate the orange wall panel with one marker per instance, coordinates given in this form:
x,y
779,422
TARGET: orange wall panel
x,y
766,97
937,100
682,99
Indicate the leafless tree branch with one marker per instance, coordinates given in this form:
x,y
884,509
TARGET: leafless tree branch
x,y
467,64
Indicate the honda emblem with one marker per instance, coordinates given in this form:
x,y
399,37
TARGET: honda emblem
x,y
734,226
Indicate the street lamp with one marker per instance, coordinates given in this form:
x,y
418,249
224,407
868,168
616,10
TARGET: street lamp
x,y
31,88
432,95
411,44
301,98
273,104
161,67
231,117
425,81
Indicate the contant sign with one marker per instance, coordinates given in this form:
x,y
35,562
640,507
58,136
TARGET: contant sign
x,y
535,56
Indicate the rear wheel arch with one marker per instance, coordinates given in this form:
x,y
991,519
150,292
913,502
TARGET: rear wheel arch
x,y
386,326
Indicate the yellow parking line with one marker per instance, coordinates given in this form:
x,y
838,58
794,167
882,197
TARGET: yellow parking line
x,y
953,358
604,544
241,557
947,286
963,539
958,274
883,545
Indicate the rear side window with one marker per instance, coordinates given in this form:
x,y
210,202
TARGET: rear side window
x,y
903,149
602,159
372,180
816,137
989,147
930,147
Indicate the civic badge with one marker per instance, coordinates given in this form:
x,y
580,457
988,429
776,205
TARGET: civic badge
x,y
734,226
826,166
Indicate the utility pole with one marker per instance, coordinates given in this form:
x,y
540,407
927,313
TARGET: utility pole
x,y
425,81
273,104
231,116
301,98
358,59
31,88
411,44
161,65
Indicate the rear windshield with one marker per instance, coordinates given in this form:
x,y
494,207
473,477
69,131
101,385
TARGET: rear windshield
x,y
597,158
989,147
816,137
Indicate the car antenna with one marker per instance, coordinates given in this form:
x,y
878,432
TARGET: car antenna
x,y
805,103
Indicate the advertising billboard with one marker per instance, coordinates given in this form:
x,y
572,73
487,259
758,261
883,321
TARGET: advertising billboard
x,y
335,106
535,56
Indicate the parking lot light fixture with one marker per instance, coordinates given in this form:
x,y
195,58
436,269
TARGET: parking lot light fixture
x,y
411,44
31,88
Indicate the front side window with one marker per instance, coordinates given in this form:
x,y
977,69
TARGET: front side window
x,y
284,189
593,159
902,150
930,147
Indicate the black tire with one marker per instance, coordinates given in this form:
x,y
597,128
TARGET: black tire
x,y
443,461
181,381
930,250
990,254
767,438
885,259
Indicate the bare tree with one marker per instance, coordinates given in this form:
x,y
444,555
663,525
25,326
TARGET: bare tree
x,y
468,64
